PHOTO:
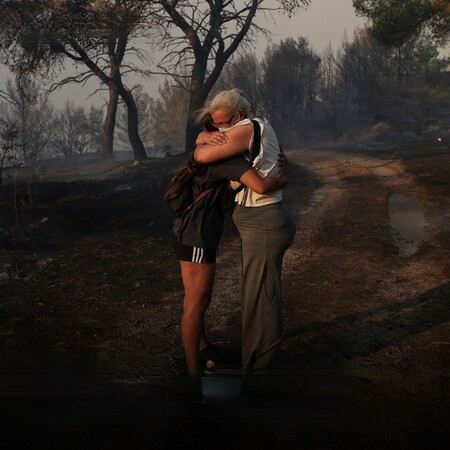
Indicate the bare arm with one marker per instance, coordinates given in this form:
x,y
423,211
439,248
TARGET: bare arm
x,y
238,142
211,138
262,185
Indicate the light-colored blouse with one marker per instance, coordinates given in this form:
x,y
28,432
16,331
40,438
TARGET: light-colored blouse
x,y
265,164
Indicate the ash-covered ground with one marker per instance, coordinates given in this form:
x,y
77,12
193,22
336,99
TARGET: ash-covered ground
x,y
91,300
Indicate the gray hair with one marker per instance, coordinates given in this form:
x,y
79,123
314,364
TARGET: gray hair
x,y
233,100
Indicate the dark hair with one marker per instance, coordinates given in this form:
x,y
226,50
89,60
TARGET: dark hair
x,y
189,169
183,175
208,123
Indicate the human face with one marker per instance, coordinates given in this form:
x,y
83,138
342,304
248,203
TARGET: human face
x,y
223,119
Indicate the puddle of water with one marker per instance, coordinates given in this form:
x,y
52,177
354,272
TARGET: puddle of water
x,y
407,219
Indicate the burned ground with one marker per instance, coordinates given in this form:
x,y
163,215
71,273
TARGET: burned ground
x,y
91,299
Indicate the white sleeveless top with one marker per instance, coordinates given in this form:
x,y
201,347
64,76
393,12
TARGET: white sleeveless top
x,y
265,164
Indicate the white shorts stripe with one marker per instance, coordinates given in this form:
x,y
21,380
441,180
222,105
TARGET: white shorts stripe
x,y
197,254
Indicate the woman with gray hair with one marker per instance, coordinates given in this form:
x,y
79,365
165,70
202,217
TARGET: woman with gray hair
x,y
264,223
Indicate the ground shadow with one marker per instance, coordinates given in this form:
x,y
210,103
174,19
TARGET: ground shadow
x,y
374,328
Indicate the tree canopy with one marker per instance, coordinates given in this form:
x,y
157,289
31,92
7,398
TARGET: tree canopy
x,y
393,22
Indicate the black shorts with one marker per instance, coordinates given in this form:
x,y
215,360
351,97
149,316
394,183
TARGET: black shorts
x,y
194,254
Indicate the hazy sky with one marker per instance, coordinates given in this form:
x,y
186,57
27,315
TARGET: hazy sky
x,y
324,22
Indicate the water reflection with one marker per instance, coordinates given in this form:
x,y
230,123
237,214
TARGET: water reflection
x,y
407,219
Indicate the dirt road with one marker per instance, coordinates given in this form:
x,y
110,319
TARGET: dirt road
x,y
354,302
91,354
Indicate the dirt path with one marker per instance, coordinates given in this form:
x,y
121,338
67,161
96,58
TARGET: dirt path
x,y
355,305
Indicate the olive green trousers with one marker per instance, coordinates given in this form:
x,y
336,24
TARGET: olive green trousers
x,y
266,233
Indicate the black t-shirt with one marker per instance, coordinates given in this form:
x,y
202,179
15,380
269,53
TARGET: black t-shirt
x,y
228,169
203,225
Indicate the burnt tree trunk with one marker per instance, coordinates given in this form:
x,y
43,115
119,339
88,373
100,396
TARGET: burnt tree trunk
x,y
133,124
200,89
107,143
197,100
214,35
199,94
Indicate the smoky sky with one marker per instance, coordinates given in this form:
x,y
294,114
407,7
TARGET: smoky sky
x,y
324,22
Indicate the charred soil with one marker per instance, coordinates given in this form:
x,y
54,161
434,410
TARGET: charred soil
x,y
91,300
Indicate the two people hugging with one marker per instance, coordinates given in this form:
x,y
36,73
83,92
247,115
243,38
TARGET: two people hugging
x,y
236,148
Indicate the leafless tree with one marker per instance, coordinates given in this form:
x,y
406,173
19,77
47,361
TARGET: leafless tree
x,y
8,147
169,116
77,132
94,34
145,105
203,35
244,72
330,92
27,107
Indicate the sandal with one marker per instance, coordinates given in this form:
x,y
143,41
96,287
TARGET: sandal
x,y
210,356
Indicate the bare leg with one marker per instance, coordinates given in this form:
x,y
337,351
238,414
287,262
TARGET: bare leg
x,y
198,281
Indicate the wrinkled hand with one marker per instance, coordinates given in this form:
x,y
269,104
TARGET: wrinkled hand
x,y
216,138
